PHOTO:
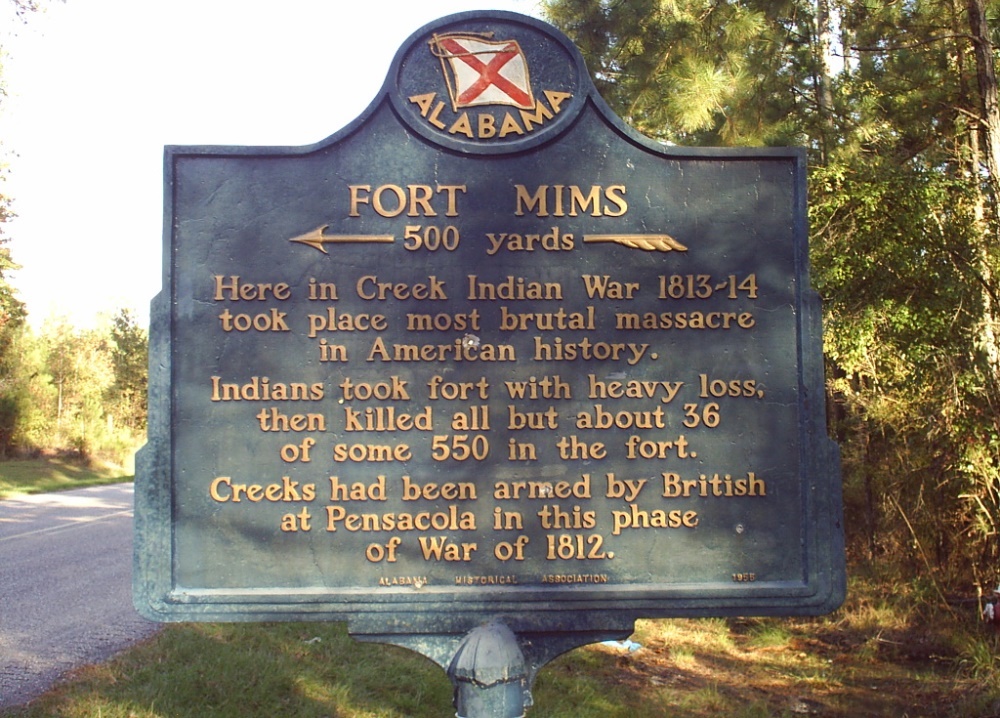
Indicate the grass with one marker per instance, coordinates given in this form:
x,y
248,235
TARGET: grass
x,y
865,659
55,473
884,653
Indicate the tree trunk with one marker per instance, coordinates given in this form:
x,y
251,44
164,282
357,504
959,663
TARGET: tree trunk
x,y
989,130
824,73
987,78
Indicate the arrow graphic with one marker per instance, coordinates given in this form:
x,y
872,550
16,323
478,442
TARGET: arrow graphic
x,y
317,240
645,242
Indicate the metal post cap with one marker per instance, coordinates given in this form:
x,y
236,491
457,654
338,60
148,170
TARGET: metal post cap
x,y
489,674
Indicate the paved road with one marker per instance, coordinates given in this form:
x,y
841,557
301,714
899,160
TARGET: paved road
x,y
65,586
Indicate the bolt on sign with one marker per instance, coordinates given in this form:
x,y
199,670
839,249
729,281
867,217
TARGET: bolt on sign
x,y
486,352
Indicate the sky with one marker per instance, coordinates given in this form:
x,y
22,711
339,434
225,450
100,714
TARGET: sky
x,y
96,88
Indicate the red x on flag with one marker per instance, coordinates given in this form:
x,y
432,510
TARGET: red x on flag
x,y
483,72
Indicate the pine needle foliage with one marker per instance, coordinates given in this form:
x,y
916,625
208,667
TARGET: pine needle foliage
x,y
890,99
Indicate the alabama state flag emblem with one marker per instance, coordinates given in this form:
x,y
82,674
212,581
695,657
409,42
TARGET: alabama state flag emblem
x,y
481,71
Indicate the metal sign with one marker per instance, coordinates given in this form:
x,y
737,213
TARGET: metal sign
x,y
486,352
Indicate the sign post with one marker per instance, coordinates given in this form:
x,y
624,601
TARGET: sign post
x,y
486,368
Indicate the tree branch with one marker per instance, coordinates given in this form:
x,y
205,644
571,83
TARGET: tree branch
x,y
915,45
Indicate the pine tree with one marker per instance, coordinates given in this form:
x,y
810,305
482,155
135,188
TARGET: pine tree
x,y
896,103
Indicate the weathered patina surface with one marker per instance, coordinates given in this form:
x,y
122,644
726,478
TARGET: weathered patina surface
x,y
486,352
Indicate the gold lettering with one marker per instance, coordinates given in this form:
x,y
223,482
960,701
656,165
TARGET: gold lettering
x,y
577,199
443,322
434,119
597,417
379,206
296,522
587,350
462,126
510,126
616,195
529,202
716,485
599,201
440,548
369,287
487,126
416,200
512,289
355,191
341,321
603,287
448,519
557,98
322,291
459,350
357,491
462,491
271,419
538,117
371,452
263,389
515,490
636,518
424,102
223,490
235,291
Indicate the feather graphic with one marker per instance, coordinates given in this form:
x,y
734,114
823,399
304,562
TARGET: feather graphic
x,y
645,242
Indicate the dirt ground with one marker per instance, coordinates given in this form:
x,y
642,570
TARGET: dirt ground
x,y
827,667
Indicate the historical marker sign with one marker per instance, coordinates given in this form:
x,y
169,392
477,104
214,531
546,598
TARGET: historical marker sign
x,y
486,351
